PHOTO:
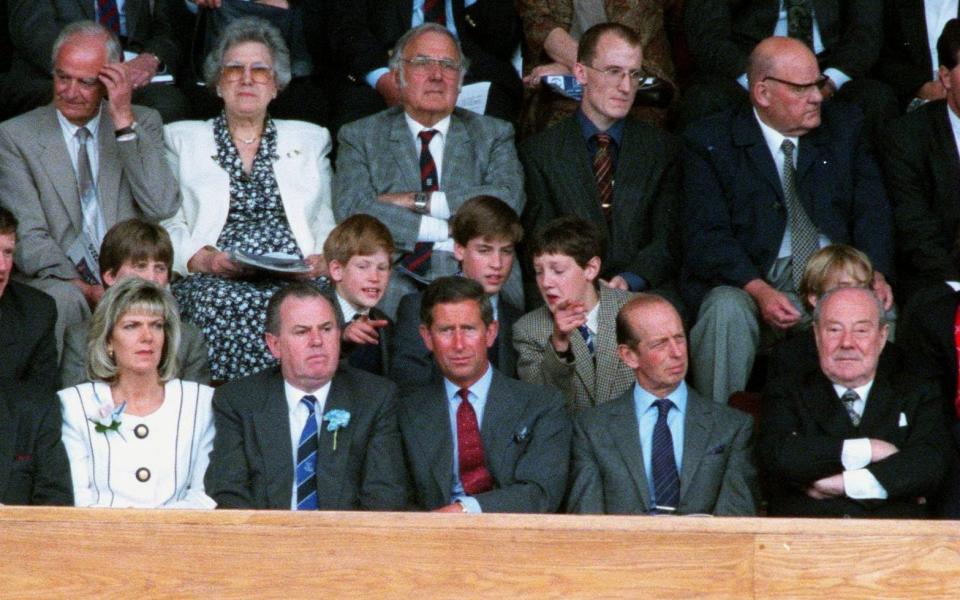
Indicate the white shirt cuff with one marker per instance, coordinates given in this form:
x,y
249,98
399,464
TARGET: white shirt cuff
x,y
742,80
374,76
470,503
856,454
860,484
439,207
839,78
433,229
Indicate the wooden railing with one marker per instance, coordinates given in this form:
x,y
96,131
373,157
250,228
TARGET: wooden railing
x,y
65,552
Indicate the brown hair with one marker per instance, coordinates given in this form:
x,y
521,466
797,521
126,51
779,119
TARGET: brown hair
x,y
485,217
135,240
591,37
358,235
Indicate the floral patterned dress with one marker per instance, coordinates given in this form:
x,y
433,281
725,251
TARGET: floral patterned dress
x,y
231,312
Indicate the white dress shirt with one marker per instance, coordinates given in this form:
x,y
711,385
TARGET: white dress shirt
x,y
298,413
858,482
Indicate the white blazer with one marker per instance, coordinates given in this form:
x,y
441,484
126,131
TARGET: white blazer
x,y
303,175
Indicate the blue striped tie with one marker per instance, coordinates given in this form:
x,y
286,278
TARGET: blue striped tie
x,y
587,337
666,482
307,459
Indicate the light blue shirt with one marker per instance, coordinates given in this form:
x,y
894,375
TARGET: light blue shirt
x,y
647,415
478,399
415,21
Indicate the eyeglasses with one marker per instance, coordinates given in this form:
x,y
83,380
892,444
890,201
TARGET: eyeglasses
x,y
259,73
614,75
800,89
86,82
423,65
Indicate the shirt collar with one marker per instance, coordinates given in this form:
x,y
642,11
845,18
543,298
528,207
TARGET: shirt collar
x,y
588,129
643,399
93,125
348,310
592,318
863,391
773,137
442,126
294,394
479,388
495,304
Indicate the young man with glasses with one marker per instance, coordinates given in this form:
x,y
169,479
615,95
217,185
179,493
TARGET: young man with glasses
x,y
766,185
618,173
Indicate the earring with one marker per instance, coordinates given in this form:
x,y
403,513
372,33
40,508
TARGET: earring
x,y
219,93
110,353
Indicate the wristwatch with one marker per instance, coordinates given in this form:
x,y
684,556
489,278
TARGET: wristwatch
x,y
421,202
125,134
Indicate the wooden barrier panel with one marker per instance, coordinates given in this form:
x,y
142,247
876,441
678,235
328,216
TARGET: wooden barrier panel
x,y
66,552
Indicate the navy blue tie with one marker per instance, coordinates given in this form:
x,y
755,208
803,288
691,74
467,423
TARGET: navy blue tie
x,y
666,482
587,337
307,459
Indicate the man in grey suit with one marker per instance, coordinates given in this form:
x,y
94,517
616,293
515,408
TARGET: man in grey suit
x,y
310,435
476,440
412,166
626,453
71,169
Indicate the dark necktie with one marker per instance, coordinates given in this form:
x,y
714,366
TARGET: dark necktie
x,y
587,337
956,342
800,20
418,260
603,171
307,459
435,11
366,356
666,481
848,398
108,15
94,227
473,468
804,239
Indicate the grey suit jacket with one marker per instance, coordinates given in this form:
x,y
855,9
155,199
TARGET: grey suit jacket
x,y
717,475
585,382
526,443
251,465
38,184
377,155
191,355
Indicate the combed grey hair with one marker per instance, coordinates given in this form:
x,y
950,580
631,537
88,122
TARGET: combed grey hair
x,y
818,309
248,29
90,29
396,58
132,294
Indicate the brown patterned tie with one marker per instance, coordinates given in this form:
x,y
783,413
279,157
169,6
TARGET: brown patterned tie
x,y
603,171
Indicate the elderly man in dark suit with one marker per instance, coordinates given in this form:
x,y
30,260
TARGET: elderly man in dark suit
x,y
310,435
33,463
144,27
849,439
922,168
845,35
618,173
73,168
766,185
476,440
661,448
413,166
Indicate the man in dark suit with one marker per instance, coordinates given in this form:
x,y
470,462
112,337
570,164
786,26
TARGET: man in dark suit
x,y
850,439
33,464
309,435
363,32
618,173
474,439
485,234
28,347
922,168
661,447
413,166
845,35
767,184
143,26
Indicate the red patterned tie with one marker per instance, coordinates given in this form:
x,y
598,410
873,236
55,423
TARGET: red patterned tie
x,y
435,11
956,341
603,171
473,469
418,261
108,15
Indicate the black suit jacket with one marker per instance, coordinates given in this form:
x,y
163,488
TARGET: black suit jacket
x,y
386,334
722,33
734,216
905,63
560,181
804,425
412,363
251,465
922,169
526,443
28,347
33,463
363,33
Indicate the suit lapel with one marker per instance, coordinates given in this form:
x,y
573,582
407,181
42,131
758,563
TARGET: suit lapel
x,y
578,177
625,432
942,133
823,403
508,315
747,133
404,152
431,432
108,177
501,414
272,426
696,433
880,406
331,462
812,149
631,170
456,153
608,360
58,166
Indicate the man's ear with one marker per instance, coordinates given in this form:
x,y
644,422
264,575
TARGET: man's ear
x,y
109,278
425,335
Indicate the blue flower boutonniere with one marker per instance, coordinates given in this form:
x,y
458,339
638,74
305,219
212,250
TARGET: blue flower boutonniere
x,y
108,419
336,419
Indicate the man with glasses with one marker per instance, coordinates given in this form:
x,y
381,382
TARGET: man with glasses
x,y
73,168
412,166
766,185
620,174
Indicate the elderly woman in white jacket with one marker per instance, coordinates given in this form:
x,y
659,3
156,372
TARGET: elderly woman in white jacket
x,y
249,184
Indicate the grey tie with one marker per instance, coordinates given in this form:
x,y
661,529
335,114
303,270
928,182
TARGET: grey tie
x,y
94,227
848,398
804,239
